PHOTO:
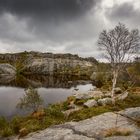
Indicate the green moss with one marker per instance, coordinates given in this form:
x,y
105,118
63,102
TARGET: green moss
x,y
87,113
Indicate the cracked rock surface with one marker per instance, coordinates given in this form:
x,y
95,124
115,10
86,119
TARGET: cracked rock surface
x,y
89,129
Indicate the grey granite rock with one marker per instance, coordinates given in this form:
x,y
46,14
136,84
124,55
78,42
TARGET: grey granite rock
x,y
105,101
91,103
131,112
7,69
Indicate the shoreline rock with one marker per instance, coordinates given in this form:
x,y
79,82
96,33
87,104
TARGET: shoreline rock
x,y
89,129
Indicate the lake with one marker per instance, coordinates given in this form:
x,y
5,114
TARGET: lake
x,y
52,89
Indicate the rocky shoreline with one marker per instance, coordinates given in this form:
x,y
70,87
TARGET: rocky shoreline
x,y
94,128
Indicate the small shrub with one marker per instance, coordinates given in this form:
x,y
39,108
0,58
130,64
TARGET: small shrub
x,y
80,102
54,111
15,124
23,132
7,131
31,100
65,105
3,122
70,99
117,132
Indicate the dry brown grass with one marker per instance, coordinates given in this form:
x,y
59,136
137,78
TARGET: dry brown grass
x,y
115,131
135,90
138,122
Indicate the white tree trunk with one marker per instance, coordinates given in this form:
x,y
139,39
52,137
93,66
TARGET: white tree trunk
x,y
114,82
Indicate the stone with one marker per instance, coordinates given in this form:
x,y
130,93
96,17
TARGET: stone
x,y
117,90
105,101
68,112
80,96
56,134
96,94
77,137
49,134
133,113
5,79
89,94
7,69
91,103
122,96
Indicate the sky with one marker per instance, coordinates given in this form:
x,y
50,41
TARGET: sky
x,y
62,26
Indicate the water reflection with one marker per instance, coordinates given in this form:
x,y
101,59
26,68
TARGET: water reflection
x,y
51,88
64,81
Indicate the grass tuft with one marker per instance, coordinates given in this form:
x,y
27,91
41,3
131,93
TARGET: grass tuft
x,y
117,132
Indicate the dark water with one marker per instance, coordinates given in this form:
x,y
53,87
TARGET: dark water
x,y
52,89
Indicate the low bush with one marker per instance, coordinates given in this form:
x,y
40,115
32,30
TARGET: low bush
x,y
117,132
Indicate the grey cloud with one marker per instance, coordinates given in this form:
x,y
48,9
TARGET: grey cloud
x,y
44,20
125,13
47,8
11,29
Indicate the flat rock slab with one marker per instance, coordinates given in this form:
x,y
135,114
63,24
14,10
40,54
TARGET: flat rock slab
x,y
95,126
56,134
89,129
132,113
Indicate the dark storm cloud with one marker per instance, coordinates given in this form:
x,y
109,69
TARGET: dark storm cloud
x,y
46,8
125,12
52,20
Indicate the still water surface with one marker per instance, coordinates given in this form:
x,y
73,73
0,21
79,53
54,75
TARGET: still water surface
x,y
51,89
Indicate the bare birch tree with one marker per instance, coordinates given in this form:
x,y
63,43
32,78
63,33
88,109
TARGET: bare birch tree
x,y
118,46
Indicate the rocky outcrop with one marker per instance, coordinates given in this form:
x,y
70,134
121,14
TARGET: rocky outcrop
x,y
51,66
90,129
19,56
48,63
7,69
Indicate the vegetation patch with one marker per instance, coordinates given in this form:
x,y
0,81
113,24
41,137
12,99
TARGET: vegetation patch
x,y
117,132
53,115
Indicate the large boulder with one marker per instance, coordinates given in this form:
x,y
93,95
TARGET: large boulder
x,y
80,96
96,94
7,69
89,94
91,103
122,96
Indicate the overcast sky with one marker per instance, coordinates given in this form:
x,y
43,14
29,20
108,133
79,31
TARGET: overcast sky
x,y
62,26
